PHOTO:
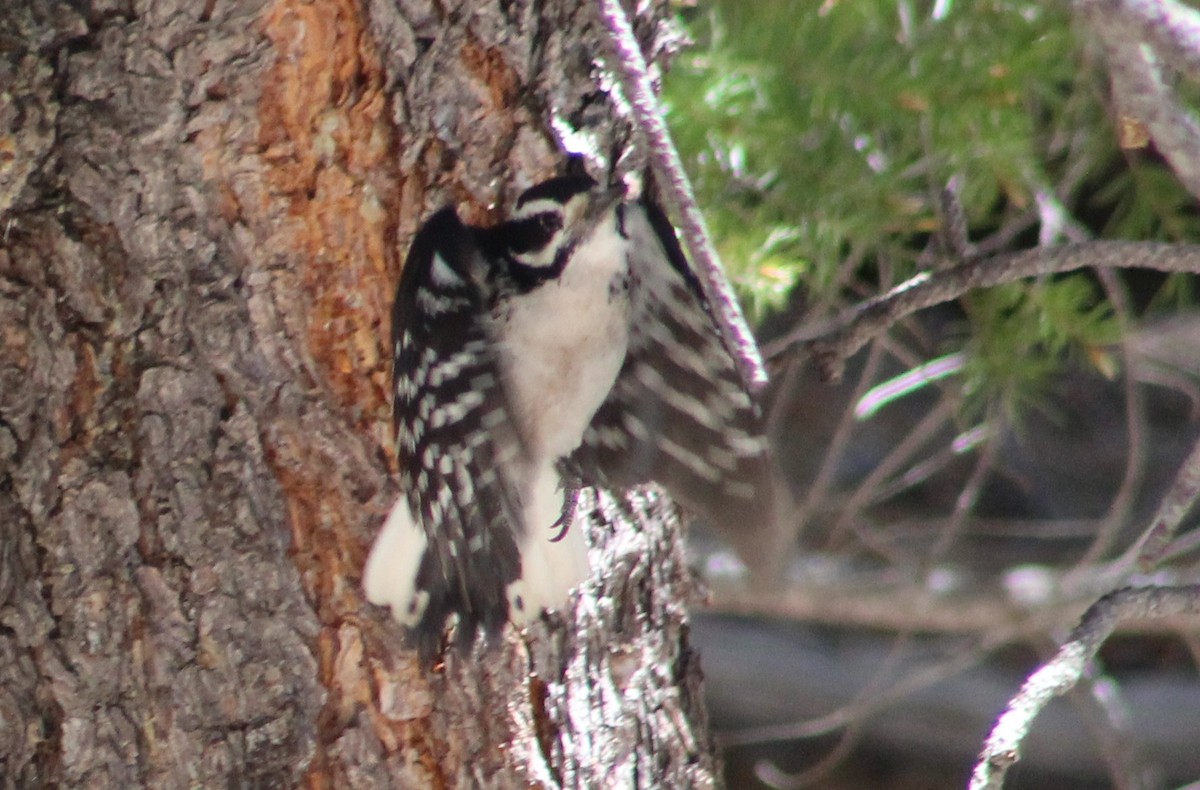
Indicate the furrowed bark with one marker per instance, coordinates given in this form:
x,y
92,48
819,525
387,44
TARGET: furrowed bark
x,y
203,212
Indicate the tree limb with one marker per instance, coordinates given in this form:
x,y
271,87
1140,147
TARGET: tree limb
x,y
1172,28
1062,672
1179,499
631,69
830,345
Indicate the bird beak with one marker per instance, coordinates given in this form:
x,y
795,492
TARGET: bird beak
x,y
601,202
607,198
585,219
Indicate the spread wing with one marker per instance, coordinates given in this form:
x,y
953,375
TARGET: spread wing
x,y
679,413
455,443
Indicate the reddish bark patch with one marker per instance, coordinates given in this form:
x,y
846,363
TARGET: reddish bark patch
x,y
491,68
328,146
327,140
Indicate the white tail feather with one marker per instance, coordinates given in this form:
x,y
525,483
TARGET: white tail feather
x,y
549,569
389,578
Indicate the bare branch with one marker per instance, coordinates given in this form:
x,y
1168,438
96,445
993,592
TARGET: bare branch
x,y
1098,701
837,447
630,67
770,774
878,601
1135,423
1176,504
953,225
901,453
1137,79
1061,673
968,496
1172,28
831,344
921,677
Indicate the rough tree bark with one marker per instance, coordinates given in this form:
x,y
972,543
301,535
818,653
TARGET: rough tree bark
x,y
203,209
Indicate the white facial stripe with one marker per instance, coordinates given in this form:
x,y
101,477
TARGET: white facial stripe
x,y
576,227
533,207
542,257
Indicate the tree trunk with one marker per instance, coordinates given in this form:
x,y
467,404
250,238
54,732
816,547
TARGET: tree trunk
x,y
203,210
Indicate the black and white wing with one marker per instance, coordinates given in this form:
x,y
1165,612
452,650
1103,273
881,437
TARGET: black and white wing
x,y
450,545
679,413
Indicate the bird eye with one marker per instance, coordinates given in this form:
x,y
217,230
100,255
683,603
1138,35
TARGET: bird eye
x,y
533,234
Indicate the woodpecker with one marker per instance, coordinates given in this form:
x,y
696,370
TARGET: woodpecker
x,y
569,345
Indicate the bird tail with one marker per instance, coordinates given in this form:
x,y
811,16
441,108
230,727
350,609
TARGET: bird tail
x,y
423,591
390,575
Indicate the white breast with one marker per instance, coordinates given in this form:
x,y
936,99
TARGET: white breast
x,y
564,343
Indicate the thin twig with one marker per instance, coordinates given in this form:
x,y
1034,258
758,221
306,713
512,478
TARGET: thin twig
x,y
918,473
890,601
892,480
1157,541
1181,547
1179,500
770,774
899,454
830,345
1098,701
1061,673
1135,422
953,225
920,678
877,685
837,446
631,69
968,496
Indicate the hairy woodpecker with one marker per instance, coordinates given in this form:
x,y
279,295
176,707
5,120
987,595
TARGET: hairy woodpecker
x,y
568,345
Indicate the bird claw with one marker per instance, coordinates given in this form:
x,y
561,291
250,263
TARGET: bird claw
x,y
570,500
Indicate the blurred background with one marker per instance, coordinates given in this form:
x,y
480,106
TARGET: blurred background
x,y
965,491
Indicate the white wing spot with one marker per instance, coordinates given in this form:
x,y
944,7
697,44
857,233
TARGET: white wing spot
x,y
456,410
406,388
433,303
689,459
452,367
466,488
744,444
442,274
635,426
722,458
740,489
677,399
493,419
